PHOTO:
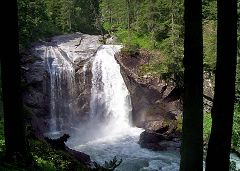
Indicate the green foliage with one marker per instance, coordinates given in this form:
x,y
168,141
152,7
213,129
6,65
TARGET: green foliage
x,y
209,45
155,67
238,61
50,159
209,9
108,165
236,129
32,20
154,25
113,14
179,124
2,140
44,18
46,158
238,82
130,50
44,164
232,166
158,25
1,105
207,124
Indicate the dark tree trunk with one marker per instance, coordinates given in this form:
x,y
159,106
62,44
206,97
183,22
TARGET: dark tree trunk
x,y
222,112
14,130
1,108
192,138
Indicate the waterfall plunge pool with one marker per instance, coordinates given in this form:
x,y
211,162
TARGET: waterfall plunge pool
x,y
124,146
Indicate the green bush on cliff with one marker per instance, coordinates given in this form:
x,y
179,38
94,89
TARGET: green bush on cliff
x,y
141,40
179,124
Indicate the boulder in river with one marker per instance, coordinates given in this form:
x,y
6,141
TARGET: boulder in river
x,y
158,142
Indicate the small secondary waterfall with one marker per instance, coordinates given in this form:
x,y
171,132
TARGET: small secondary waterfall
x,y
62,85
110,99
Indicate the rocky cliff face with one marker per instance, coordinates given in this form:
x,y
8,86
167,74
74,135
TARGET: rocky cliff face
x,y
208,91
36,79
149,95
35,93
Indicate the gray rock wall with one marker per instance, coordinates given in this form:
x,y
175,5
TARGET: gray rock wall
x,y
147,94
36,79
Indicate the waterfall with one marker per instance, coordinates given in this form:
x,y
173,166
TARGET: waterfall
x,y
90,101
62,86
110,101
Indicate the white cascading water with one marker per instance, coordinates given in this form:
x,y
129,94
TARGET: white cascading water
x,y
84,72
110,99
62,87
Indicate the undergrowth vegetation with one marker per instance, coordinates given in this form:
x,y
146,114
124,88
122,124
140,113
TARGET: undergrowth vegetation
x,y
207,123
45,158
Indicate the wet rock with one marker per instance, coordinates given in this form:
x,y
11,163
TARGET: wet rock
x,y
80,156
154,126
34,99
165,127
158,142
151,137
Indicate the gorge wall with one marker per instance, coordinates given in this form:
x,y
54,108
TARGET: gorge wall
x,y
152,105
